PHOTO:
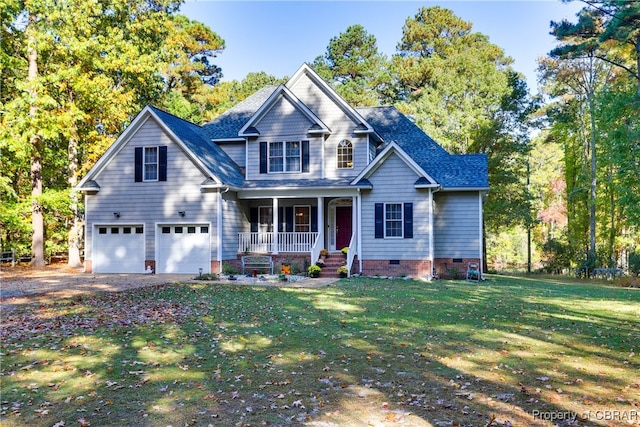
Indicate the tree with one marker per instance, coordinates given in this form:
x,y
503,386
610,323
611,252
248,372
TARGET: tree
x,y
87,67
354,66
452,81
188,70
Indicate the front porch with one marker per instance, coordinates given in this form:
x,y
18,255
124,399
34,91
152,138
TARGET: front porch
x,y
301,227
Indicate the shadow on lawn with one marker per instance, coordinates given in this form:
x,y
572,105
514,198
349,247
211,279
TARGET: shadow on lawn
x,y
364,351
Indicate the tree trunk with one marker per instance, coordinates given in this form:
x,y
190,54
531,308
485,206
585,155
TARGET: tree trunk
x,y
75,232
37,214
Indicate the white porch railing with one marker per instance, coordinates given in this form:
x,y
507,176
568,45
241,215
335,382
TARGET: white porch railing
x,y
287,242
352,253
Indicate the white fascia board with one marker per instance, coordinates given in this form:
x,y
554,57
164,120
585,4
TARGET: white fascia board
x,y
117,145
188,152
356,117
380,159
270,102
427,186
142,117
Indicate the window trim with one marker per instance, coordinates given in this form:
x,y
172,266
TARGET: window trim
x,y
400,220
346,158
145,163
284,157
266,227
295,219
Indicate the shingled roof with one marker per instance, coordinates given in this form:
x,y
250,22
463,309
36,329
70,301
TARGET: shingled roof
x,y
451,171
197,141
228,124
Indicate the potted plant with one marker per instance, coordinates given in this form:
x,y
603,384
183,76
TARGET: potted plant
x,y
344,251
314,271
324,253
320,262
342,271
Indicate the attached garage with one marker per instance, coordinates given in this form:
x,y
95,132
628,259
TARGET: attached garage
x,y
118,249
183,249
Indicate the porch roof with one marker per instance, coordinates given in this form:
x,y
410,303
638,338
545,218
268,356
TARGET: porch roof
x,y
333,183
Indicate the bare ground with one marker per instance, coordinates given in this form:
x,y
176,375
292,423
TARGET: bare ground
x,y
22,285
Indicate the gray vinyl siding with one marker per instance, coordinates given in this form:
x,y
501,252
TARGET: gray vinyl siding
x,y
360,156
234,221
235,150
150,203
341,126
393,182
457,225
283,120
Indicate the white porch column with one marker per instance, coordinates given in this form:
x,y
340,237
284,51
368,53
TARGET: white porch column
x,y
354,216
321,226
275,225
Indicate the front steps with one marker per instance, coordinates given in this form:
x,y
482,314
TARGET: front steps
x,y
331,264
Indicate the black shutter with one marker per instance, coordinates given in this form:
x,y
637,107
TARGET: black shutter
x,y
379,220
138,164
263,156
314,219
253,218
305,156
288,212
162,163
408,220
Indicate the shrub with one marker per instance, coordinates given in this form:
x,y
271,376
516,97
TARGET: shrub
x,y
314,270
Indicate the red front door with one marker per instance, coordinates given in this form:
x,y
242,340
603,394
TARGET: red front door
x,y
343,226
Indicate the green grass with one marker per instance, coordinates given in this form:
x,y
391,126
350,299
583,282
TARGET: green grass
x,y
362,351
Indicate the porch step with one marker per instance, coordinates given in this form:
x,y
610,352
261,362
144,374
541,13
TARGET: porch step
x,y
331,264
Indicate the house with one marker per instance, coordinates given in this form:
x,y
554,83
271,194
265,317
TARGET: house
x,y
287,172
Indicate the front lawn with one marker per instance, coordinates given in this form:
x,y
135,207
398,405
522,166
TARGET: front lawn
x,y
360,352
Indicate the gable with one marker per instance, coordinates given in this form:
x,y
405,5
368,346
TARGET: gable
x,y
124,168
324,104
283,118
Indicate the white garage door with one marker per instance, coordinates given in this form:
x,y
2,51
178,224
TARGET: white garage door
x,y
118,249
183,249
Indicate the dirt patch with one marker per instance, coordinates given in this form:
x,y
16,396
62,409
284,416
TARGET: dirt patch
x,y
23,284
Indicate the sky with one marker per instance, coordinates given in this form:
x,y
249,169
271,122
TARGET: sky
x,y
277,37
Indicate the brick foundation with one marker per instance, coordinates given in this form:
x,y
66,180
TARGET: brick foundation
x,y
453,268
412,268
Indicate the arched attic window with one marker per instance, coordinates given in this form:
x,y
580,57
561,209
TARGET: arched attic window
x,y
345,154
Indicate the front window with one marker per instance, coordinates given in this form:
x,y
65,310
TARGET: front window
x,y
285,156
151,163
302,219
393,220
345,154
265,219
